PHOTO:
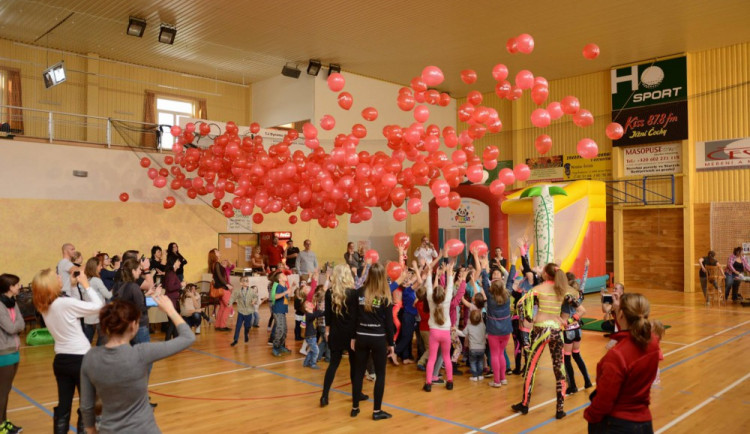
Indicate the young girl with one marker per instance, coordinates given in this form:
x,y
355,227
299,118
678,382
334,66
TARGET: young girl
x,y
311,335
279,295
476,335
190,307
499,325
571,314
439,299
397,305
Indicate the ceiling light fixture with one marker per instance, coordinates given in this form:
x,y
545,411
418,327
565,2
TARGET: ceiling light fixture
x,y
136,26
290,71
313,68
334,67
167,34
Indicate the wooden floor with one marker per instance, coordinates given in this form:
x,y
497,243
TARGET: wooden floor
x,y
212,387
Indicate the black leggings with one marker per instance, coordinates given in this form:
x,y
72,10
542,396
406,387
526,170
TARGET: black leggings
x,y
364,346
67,369
333,365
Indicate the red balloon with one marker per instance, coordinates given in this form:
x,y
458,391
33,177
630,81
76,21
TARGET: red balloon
x,y
540,118
432,76
506,176
525,79
327,122
257,218
292,219
370,113
587,148
440,188
255,128
124,197
399,214
454,247
421,113
175,130
474,97
359,131
454,200
168,202
160,181
543,144
475,173
394,270
145,162
414,206
336,82
511,46
401,239
583,118
345,100
499,72
521,172
497,187
418,84
490,153
468,76
168,159
406,102
204,129
539,94
570,105
591,51
490,164
525,43
555,110
614,131
479,247
372,255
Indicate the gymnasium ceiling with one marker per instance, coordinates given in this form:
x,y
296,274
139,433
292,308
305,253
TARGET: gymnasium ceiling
x,y
392,40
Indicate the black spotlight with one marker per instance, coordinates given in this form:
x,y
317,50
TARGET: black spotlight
x,y
136,26
313,68
289,71
167,34
333,67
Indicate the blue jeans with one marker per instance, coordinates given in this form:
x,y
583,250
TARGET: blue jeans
x,y
403,344
242,319
256,319
476,362
613,425
325,352
312,351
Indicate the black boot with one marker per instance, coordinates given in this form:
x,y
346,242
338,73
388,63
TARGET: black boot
x,y
582,367
61,422
570,376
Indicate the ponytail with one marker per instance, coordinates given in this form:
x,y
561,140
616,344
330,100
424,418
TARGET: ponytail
x,y
438,297
636,309
561,283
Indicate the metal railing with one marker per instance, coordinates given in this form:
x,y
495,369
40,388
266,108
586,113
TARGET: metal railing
x,y
74,127
649,190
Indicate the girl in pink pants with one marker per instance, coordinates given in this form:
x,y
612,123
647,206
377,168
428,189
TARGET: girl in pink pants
x,y
439,300
499,324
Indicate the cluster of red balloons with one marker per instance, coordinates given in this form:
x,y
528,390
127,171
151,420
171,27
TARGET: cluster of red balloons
x,y
241,174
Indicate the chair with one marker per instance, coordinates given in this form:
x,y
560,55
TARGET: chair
x,y
204,286
26,306
715,276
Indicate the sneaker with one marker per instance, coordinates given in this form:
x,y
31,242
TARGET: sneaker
x,y
504,382
489,375
520,408
198,330
10,428
449,385
269,343
495,385
560,415
314,366
286,350
370,377
474,378
380,415
247,338
438,382
427,387
233,343
571,390
421,368
276,353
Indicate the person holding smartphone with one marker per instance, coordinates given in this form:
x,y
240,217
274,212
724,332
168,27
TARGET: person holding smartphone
x,y
610,304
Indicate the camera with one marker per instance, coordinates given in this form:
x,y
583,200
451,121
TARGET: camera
x,y
76,273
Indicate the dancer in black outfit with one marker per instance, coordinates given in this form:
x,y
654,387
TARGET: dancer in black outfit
x,y
372,318
339,327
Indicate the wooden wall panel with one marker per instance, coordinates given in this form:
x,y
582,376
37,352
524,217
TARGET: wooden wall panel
x,y
653,246
610,263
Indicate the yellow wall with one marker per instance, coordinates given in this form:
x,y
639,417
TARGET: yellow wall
x,y
34,230
720,92
100,87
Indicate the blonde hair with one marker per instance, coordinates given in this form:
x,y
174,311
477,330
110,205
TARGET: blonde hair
x,y
438,297
340,281
497,289
45,288
376,287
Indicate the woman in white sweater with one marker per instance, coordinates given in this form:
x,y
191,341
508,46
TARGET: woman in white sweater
x,y
439,300
62,317
91,322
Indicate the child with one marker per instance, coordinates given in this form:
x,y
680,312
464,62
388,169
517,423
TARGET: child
x,y
299,313
279,307
245,300
476,334
319,300
397,305
190,307
311,335
228,267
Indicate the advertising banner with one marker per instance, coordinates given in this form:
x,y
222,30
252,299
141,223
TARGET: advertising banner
x,y
597,169
650,101
470,214
722,154
661,159
549,168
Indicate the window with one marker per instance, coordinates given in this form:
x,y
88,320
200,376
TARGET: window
x,y
171,111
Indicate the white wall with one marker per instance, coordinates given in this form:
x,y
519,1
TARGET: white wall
x,y
280,100
33,170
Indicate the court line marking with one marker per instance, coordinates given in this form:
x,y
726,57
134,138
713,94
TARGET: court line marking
x,y
38,405
198,377
672,343
550,420
507,418
702,404
289,377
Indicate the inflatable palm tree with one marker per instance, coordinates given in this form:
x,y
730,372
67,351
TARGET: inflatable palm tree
x,y
544,220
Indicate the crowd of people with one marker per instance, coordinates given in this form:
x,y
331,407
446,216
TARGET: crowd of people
x,y
455,314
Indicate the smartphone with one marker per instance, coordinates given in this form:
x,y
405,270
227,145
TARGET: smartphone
x,y
607,299
76,273
150,302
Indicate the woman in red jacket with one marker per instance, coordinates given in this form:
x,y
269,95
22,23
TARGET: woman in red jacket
x,y
625,374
